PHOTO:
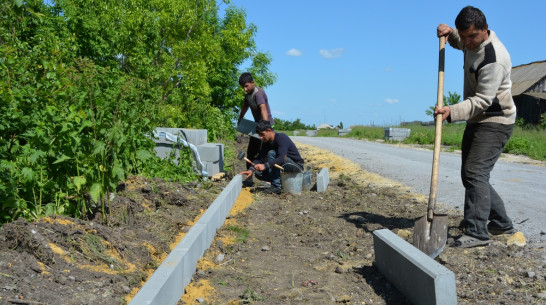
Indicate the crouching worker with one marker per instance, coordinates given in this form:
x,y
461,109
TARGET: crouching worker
x,y
277,149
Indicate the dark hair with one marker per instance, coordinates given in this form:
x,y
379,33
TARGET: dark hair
x,y
245,78
470,16
263,125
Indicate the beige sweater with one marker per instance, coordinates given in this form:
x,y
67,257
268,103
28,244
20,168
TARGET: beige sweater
x,y
487,85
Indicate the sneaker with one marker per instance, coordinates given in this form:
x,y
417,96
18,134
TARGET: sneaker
x,y
248,183
498,231
273,190
467,241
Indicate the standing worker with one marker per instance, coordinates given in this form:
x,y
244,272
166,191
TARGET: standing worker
x,y
490,114
256,100
277,149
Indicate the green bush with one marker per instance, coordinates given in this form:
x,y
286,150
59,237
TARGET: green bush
x,y
370,133
83,84
327,133
517,145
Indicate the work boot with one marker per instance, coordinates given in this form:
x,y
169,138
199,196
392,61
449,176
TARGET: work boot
x,y
498,231
248,183
467,241
273,190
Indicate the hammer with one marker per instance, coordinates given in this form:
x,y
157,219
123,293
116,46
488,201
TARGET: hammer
x,y
241,156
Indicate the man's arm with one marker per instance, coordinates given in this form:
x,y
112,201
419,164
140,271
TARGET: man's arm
x,y
263,111
451,34
244,109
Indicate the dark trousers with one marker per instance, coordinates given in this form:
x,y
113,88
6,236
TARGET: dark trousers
x,y
482,145
273,174
252,151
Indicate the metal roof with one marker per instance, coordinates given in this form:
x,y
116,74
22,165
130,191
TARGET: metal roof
x,y
525,76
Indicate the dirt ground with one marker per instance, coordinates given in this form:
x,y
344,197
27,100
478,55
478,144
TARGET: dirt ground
x,y
313,248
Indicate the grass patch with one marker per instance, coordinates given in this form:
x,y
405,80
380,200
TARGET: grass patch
x,y
242,233
370,133
327,133
524,141
452,135
527,141
250,295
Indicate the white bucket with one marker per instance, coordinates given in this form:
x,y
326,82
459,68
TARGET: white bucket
x,y
292,182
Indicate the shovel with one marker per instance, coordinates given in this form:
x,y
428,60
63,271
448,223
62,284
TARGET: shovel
x,y
430,231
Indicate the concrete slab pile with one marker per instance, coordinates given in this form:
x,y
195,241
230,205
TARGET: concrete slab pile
x,y
209,157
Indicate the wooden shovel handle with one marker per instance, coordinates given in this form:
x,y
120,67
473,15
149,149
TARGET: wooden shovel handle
x,y
438,135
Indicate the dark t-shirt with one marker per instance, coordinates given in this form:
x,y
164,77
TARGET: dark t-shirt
x,y
254,100
284,147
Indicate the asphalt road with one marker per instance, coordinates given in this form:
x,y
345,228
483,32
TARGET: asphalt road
x,y
522,186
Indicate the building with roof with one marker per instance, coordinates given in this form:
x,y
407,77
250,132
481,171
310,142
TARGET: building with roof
x,y
529,91
325,126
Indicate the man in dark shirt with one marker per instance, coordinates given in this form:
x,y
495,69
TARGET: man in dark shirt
x,y
277,149
255,100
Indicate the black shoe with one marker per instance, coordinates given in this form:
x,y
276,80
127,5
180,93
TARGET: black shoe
x,y
248,183
467,241
273,190
498,231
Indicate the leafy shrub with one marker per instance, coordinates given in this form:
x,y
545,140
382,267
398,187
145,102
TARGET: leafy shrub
x,y
83,84
517,145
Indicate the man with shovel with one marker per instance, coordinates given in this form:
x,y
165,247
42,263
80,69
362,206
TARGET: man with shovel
x,y
256,100
278,151
490,114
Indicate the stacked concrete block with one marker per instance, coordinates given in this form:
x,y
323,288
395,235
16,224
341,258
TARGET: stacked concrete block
x,y
193,136
209,155
397,134
323,179
420,278
342,132
212,156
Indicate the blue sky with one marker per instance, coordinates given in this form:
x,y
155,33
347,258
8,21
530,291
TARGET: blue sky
x,y
374,62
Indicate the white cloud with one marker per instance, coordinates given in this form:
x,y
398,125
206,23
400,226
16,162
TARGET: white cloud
x,y
391,101
332,53
294,52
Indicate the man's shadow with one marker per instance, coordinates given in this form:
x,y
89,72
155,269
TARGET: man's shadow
x,y
371,222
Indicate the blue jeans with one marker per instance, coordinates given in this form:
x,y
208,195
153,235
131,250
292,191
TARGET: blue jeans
x,y
273,174
481,147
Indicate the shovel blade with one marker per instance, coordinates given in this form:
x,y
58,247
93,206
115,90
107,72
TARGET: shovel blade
x,y
430,236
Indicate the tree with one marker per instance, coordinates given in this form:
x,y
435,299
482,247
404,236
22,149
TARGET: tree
x,y
283,125
82,84
451,99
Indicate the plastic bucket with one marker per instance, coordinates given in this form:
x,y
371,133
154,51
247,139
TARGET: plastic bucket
x,y
307,179
292,182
